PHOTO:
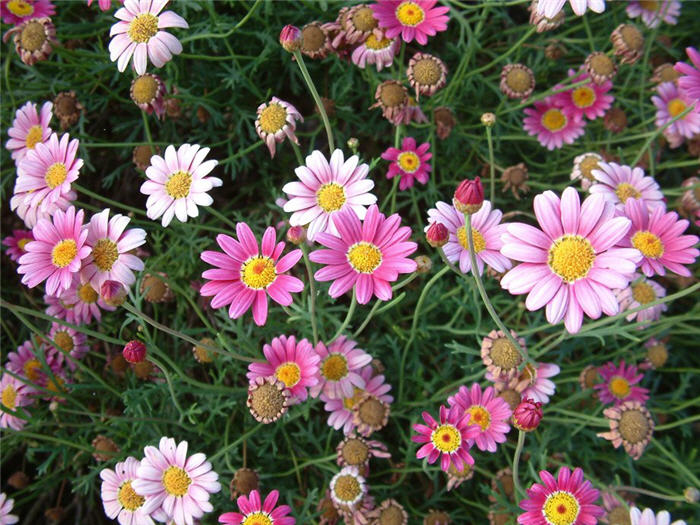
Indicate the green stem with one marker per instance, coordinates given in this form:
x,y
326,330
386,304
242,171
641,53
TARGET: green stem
x,y
659,131
147,129
312,292
379,302
99,197
492,167
346,322
170,386
646,492
216,213
321,109
297,152
516,461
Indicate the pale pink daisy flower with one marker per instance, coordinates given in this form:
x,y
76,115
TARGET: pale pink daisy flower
x,y
56,307
26,363
120,500
56,253
29,128
246,273
590,100
410,162
5,508
80,303
631,426
181,486
637,517
689,81
367,255
67,340
325,189
411,112
17,11
618,183
412,19
584,165
16,242
550,8
653,13
377,51
551,125
449,439
105,5
254,511
619,383
178,183
537,383
22,204
13,395
276,121
642,291
487,411
340,364
572,264
138,33
293,362
670,103
658,235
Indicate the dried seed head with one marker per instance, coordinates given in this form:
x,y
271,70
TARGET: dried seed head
x,y
615,120
267,399
105,448
628,43
244,481
600,67
67,108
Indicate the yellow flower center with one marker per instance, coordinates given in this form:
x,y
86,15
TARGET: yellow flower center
x,y
625,191
20,7
128,498
446,438
258,272
648,243
143,27
364,257
553,119
479,416
22,243
31,369
273,118
373,43
427,72
64,341
34,136
408,161
364,20
649,5
602,64
583,97
587,165
257,518
56,174
64,253
561,508
87,293
105,253
355,451
503,354
144,89
518,80
410,13
176,481
33,36
350,402
676,107
643,293
347,488
178,184
619,387
9,397
479,242
330,197
571,257
334,367
289,373
634,426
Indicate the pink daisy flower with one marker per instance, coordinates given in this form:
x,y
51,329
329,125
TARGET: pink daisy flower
x,y
56,253
567,500
377,51
79,304
13,395
590,100
29,128
640,292
22,204
550,8
486,410
411,112
254,511
410,162
571,265
276,121
368,255
294,363
618,183
325,189
689,81
66,340
105,5
637,517
26,363
340,365
538,386
120,500
551,125
56,307
486,231
412,19
246,274
619,383
5,508
657,234
179,183
653,13
138,33
449,440
17,11
16,242
670,103
181,486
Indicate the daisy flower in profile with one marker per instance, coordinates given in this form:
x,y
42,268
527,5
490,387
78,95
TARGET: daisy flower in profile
x,y
590,100
13,395
486,410
618,183
339,368
245,274
84,303
535,382
653,13
572,264
689,81
412,19
551,125
5,508
178,183
325,189
138,34
630,426
637,517
410,162
294,363
253,511
56,253
29,128
486,232
17,11
642,291
670,103
550,8
16,242
119,499
377,51
275,121
367,255
584,165
619,383
566,500
449,440
178,484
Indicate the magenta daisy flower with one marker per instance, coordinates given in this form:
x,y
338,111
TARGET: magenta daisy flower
x,y
178,183
5,508
653,13
571,265
325,189
26,363
567,500
13,395
689,81
79,304
670,103
368,255
642,291
253,511
66,340
16,242
17,11
412,19
590,100
246,273
377,51
486,232
648,517
181,486
339,368
138,34
56,253
658,236
537,385
29,128
551,125
486,410
120,500
410,162
449,440
619,383
618,183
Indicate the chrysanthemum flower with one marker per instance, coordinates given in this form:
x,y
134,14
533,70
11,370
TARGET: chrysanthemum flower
x,y
5,508
653,13
392,98
17,11
552,127
567,500
600,67
275,121
34,39
181,486
584,165
294,363
618,384
81,303
247,273
536,382
358,23
642,291
455,478
316,40
67,108
66,340
56,253
29,128
619,183
326,189
370,413
356,451
540,21
689,82
22,204
411,162
637,517
16,242
550,8
426,74
489,412
670,103
630,426
377,51
268,399
367,255
148,92
13,395
255,512
339,368
348,489
119,499
390,511
517,81
138,34
410,112
628,43
412,19
486,232
449,440
26,363
499,355
590,100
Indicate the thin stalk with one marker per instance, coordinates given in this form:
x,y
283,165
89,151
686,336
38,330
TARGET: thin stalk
x,y
492,167
216,213
312,292
516,461
646,492
297,153
348,317
317,99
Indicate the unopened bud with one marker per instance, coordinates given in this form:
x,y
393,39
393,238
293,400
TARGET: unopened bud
x,y
290,38
469,196
353,144
423,264
296,235
437,235
134,352
527,415
113,293
691,495
488,119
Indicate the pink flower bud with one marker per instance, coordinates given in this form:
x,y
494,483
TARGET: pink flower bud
x,y
290,38
296,235
469,196
134,352
113,293
527,415
437,235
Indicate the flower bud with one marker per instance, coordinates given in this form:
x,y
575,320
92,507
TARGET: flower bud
x,y
423,264
488,119
437,235
527,415
296,235
134,352
691,495
290,38
469,196
353,144
113,293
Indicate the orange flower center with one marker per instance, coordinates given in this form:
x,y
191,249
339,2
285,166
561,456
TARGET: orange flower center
x,y
258,272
